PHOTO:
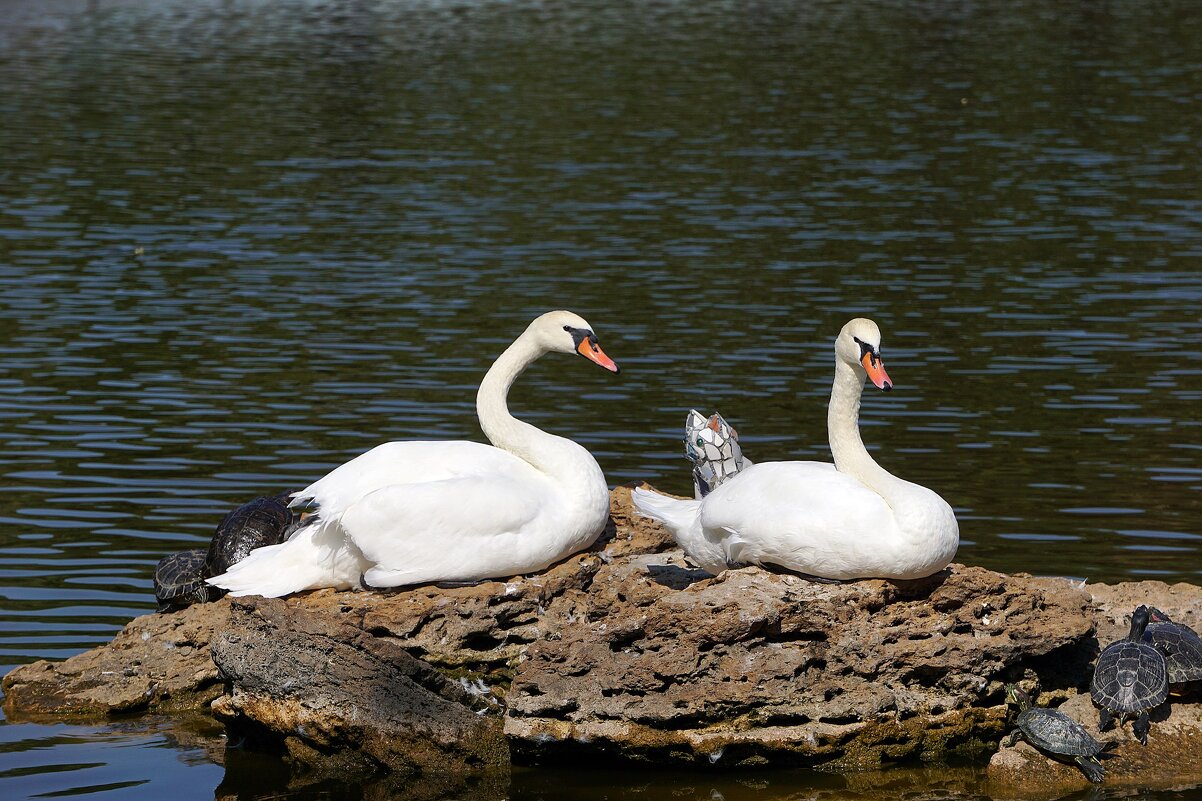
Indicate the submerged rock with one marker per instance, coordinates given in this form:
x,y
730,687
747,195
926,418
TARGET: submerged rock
x,y
621,652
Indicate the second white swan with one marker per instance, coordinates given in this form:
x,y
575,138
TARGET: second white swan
x,y
849,520
415,512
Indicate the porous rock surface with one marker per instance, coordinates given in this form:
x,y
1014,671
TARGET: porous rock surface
x,y
622,651
157,663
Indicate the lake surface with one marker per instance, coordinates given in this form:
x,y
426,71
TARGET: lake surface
x,y
242,242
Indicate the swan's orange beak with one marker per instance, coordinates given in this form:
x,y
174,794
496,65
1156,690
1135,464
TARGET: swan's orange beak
x,y
876,371
589,349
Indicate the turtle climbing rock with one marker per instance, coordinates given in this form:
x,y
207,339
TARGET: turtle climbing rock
x,y
1055,734
1181,646
179,581
1130,678
263,521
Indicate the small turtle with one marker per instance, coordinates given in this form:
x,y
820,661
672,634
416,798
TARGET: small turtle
x,y
1181,646
179,581
1055,734
712,445
1130,678
263,521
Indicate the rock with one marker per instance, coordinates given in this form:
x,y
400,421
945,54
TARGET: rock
x,y
621,652
375,706
752,668
157,663
1172,758
1116,602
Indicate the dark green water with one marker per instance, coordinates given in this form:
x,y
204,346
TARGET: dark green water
x,y
241,242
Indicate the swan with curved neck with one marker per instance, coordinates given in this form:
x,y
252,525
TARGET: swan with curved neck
x,y
419,511
853,519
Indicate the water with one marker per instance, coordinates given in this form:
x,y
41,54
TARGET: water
x,y
241,242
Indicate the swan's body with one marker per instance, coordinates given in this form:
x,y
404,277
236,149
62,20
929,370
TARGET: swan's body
x,y
414,512
852,519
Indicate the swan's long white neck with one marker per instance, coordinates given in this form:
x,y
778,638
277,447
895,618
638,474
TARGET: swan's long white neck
x,y
843,430
560,458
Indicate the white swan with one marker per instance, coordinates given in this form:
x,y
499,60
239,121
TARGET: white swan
x,y
852,519
415,512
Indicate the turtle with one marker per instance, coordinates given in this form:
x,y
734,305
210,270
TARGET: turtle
x,y
1055,734
1181,646
712,445
263,521
1130,678
179,581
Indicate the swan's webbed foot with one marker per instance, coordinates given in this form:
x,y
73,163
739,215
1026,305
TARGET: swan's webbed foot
x,y
451,585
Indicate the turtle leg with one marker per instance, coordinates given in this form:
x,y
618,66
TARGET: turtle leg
x,y
1105,718
1142,724
1091,768
1009,740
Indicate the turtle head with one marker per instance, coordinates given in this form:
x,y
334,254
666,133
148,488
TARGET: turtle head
x,y
1156,616
1017,697
1139,622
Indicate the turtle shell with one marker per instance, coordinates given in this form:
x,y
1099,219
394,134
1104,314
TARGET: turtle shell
x,y
263,521
1182,649
1129,678
1056,733
179,580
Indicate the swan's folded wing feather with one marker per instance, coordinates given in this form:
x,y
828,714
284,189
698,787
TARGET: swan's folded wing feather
x,y
412,462
444,530
795,514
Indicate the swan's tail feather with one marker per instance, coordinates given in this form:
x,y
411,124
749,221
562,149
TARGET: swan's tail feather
x,y
675,513
317,555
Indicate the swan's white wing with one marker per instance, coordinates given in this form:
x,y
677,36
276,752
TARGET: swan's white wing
x,y
396,463
457,529
805,516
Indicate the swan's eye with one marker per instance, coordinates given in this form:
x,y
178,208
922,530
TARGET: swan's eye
x,y
866,349
700,442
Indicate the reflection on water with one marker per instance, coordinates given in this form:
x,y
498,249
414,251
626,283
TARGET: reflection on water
x,y
241,242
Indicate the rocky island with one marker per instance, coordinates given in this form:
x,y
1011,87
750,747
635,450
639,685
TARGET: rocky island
x,y
625,653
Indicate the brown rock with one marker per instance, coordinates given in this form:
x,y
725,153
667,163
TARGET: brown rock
x,y
328,690
622,651
753,667
157,663
1115,603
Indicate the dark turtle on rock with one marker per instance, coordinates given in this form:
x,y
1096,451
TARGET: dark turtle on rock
x,y
1130,678
1181,646
263,521
179,581
1055,734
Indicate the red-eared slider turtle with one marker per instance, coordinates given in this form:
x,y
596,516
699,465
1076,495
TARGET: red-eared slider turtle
x,y
1055,734
263,521
179,581
1130,678
712,445
1181,646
